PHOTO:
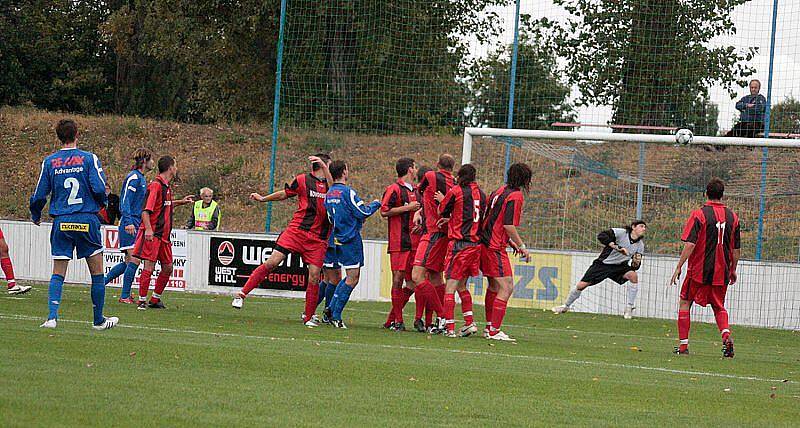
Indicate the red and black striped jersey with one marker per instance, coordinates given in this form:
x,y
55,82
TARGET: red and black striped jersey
x,y
158,202
399,194
432,182
505,209
310,214
466,207
714,229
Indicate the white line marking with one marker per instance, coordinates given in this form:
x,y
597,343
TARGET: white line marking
x,y
421,348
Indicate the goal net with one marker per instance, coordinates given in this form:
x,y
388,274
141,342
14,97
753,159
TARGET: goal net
x,y
585,183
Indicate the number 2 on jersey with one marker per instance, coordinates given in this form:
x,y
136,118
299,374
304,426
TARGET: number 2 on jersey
x,y
74,186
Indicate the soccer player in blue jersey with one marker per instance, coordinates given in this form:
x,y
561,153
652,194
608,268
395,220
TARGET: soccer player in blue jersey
x,y
76,185
132,198
346,213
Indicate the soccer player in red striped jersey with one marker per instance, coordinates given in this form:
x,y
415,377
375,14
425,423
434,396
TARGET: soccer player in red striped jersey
x,y
712,242
306,235
463,209
153,243
398,206
8,269
430,255
499,230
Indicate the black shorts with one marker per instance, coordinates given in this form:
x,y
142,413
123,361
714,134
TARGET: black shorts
x,y
599,271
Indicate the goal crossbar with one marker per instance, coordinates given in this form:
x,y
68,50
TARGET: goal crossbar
x,y
698,140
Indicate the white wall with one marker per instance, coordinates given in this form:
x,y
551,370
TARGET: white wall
x,y
767,294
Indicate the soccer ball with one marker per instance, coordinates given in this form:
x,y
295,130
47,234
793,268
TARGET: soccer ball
x,y
684,136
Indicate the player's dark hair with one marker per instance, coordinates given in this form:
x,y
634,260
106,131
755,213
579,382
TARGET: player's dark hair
x,y
141,157
715,189
446,162
164,163
337,169
519,176
421,171
402,166
466,174
66,130
633,224
325,158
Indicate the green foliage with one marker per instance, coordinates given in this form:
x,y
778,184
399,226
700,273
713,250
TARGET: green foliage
x,y
785,116
540,94
651,59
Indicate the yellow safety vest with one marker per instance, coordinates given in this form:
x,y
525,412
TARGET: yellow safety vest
x,y
202,216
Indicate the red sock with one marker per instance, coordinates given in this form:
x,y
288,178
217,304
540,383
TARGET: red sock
x,y
419,298
144,284
449,309
432,301
312,295
498,313
396,299
488,302
8,271
684,322
258,275
721,316
161,283
466,306
440,289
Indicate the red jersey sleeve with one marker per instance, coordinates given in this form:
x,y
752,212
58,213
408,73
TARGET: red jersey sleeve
x,y
447,204
513,211
389,200
425,182
691,231
294,188
153,197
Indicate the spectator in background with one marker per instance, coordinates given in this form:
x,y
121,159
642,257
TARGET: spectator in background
x,y
110,213
751,119
206,214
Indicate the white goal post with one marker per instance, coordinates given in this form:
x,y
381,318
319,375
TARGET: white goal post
x,y
699,140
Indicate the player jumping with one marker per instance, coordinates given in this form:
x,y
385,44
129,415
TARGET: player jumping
x,y
712,245
463,209
347,214
306,235
621,247
430,255
133,192
399,205
500,229
76,184
153,243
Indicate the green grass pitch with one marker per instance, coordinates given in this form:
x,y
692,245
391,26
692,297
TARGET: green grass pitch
x,y
202,363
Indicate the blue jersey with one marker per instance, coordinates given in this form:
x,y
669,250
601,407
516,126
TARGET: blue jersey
x,y
132,198
75,182
347,212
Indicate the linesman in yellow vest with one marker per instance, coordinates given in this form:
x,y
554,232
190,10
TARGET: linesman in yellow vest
x,y
206,214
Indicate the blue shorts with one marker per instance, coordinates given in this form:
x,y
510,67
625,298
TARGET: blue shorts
x,y
127,240
75,234
330,258
350,255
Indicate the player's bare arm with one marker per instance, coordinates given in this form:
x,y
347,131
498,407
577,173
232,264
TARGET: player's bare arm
x,y
185,200
411,206
148,228
439,196
734,263
324,167
688,248
516,241
280,195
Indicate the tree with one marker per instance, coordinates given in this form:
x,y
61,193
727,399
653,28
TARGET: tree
x,y
651,60
785,116
541,97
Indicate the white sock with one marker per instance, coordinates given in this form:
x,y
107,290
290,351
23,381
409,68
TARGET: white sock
x,y
633,289
573,296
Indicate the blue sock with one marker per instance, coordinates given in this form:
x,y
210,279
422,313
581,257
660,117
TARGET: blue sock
x,y
323,289
115,272
329,295
341,297
98,298
127,280
54,295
